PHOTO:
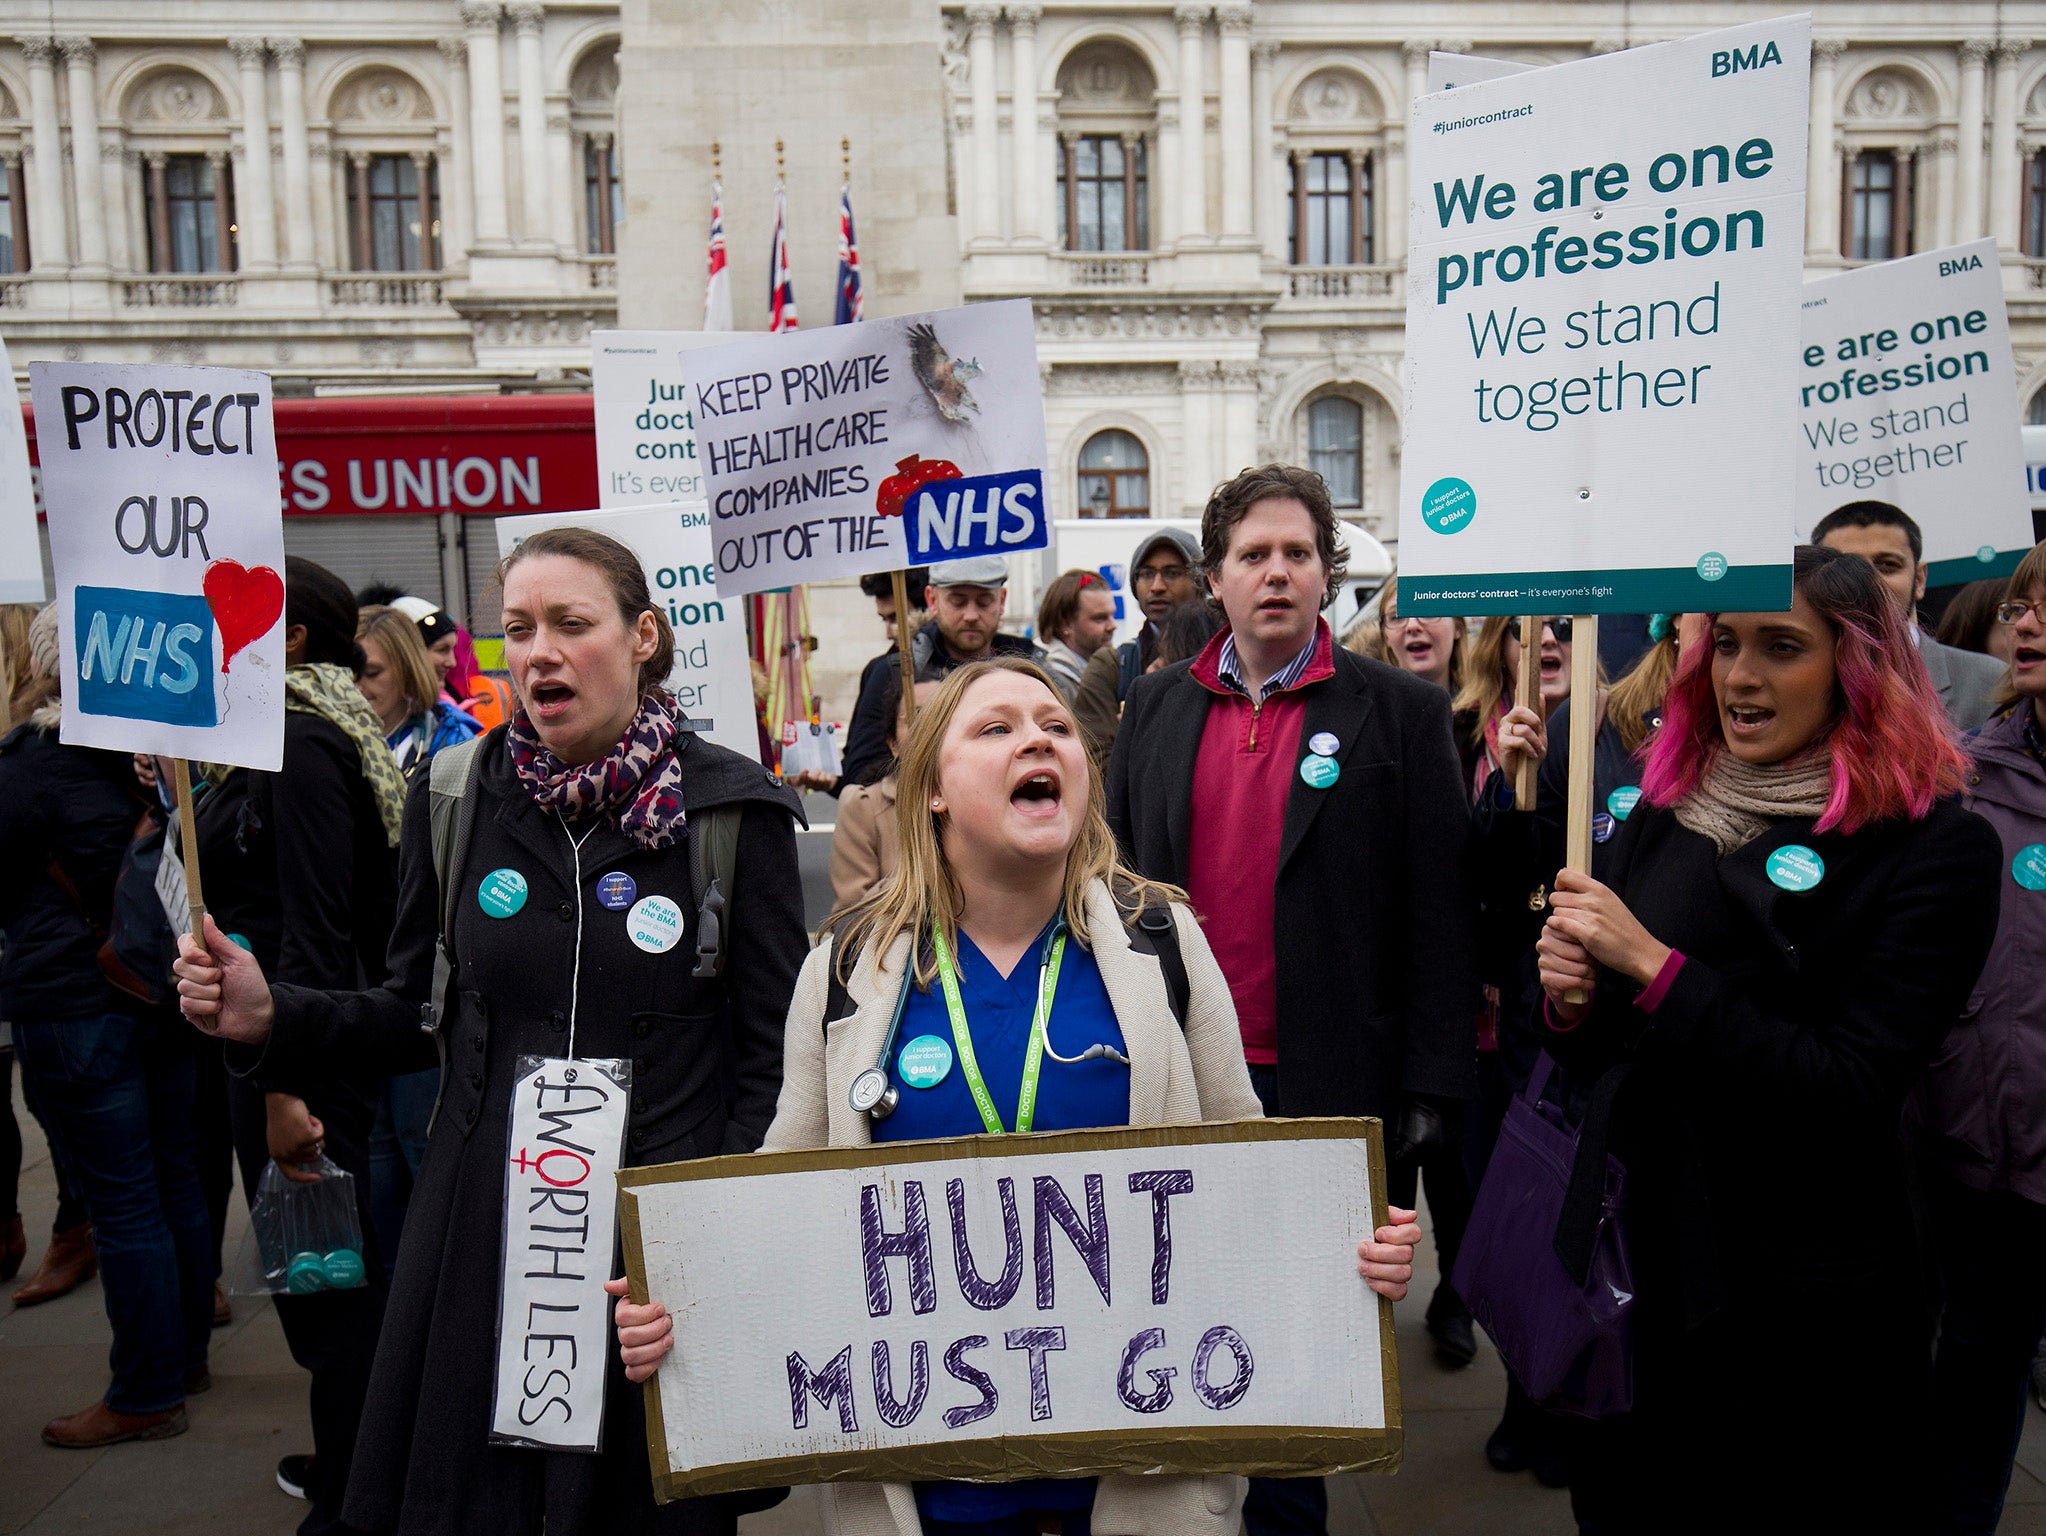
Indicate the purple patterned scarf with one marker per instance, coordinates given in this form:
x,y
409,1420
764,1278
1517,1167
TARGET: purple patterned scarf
x,y
638,784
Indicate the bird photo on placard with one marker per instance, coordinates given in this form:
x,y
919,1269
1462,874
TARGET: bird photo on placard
x,y
943,376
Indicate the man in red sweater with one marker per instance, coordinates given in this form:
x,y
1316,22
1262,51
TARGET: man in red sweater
x,y
1310,802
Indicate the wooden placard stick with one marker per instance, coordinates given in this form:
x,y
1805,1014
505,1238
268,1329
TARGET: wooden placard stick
x,y
1527,695
900,584
188,839
1583,739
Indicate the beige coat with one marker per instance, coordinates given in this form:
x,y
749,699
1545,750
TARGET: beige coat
x,y
1175,1079
863,841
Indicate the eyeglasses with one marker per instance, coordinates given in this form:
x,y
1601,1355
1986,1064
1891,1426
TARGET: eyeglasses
x,y
2012,611
1164,574
1563,627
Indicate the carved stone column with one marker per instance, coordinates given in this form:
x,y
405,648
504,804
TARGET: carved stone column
x,y
526,17
50,243
1191,20
254,190
1028,194
1822,197
980,51
486,107
80,61
1968,208
1238,221
298,167
457,191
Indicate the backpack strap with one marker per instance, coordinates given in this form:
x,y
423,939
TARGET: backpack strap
x,y
452,813
1154,932
713,864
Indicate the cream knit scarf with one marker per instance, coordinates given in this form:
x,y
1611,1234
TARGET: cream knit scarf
x,y
1735,801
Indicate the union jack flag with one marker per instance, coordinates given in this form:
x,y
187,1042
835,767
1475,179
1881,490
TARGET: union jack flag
x,y
781,291
717,295
850,302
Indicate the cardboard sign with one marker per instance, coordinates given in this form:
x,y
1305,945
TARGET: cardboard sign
x,y
1906,394
1448,71
871,447
1607,261
168,542
21,556
567,1129
1174,1298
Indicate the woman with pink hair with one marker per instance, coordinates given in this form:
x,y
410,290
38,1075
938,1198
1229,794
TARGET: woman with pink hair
x,y
1796,913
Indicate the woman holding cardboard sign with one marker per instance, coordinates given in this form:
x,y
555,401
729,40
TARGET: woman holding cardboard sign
x,y
555,858
1796,912
1036,1005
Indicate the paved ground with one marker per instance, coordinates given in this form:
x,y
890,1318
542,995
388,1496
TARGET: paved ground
x,y
217,1480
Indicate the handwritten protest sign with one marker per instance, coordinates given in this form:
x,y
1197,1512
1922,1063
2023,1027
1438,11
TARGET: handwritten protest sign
x,y
1606,267
167,536
871,447
1907,395
21,557
1183,1298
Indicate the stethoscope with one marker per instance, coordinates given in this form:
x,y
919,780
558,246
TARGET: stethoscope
x,y
872,1093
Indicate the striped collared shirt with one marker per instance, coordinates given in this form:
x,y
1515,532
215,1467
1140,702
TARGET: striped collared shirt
x,y
1285,677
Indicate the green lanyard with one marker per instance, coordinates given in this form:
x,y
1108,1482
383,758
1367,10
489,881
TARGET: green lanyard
x,y
962,1035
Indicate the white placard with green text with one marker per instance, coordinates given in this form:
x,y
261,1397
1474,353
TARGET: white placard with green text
x,y
1601,319
21,559
1907,394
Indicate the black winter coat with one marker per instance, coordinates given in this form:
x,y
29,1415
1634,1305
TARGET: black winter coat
x,y
866,734
80,806
1773,1258
1378,993
706,1059
297,862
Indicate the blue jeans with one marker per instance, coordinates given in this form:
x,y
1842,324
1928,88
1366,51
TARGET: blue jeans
x,y
115,1093
397,1145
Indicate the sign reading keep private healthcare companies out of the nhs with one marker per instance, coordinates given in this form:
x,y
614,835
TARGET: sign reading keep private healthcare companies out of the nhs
x,y
871,447
1601,323
993,1307
1907,395
168,541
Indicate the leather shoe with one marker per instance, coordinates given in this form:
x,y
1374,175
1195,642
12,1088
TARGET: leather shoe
x,y
1450,1326
13,1248
1510,1448
68,1263
100,1425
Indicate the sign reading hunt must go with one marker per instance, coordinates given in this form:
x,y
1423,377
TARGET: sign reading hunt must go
x,y
167,538
1602,311
870,447
1177,1298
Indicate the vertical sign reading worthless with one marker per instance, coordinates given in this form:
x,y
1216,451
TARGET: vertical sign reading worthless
x,y
1070,1304
1907,395
168,542
871,447
1601,323
21,558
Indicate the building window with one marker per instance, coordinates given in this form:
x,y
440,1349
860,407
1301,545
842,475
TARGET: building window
x,y
2035,205
1104,193
1335,449
1115,476
13,218
1878,223
2035,413
603,194
394,212
1331,209
188,200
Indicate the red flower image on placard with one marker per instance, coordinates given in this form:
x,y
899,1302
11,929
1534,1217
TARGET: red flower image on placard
x,y
911,475
245,604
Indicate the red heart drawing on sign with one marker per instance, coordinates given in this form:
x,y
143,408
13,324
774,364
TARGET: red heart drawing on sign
x,y
245,604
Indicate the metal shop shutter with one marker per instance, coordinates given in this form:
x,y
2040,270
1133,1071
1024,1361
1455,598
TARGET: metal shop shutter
x,y
404,551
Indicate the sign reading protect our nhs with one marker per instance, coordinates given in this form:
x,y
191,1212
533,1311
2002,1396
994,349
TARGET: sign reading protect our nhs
x,y
1602,324
167,536
870,447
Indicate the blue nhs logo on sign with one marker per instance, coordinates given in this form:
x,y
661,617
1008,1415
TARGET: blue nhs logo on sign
x,y
145,656
980,515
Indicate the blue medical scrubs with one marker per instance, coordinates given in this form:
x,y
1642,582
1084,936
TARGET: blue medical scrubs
x,y
1084,1096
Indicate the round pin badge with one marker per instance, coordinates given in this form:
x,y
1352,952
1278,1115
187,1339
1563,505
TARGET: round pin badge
x,y
1322,744
502,892
1621,802
1318,772
925,1062
241,939
616,891
2029,867
1603,827
343,1268
1794,867
654,924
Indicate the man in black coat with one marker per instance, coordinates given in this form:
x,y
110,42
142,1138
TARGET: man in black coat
x,y
1310,803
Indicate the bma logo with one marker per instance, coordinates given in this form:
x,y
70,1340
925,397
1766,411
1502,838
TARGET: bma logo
x,y
1732,61
1960,264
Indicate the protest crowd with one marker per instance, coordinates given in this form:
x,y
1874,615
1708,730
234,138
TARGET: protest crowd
x,y
1676,976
